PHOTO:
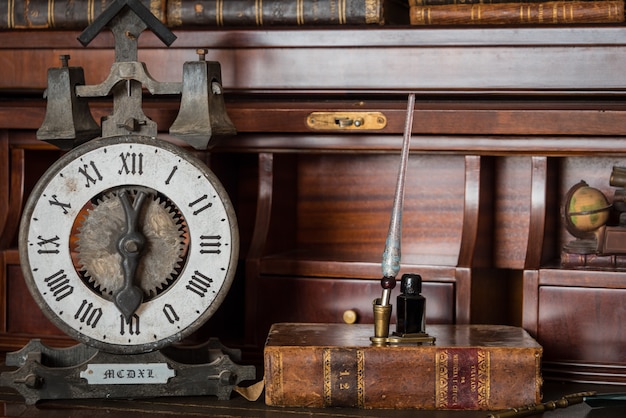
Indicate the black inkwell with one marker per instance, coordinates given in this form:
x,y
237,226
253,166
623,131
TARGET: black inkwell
x,y
411,316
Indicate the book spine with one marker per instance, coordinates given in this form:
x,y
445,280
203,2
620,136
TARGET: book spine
x,y
61,14
592,261
556,12
460,378
412,3
232,13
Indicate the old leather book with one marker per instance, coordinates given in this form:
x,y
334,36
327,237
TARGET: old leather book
x,y
61,14
551,12
479,367
592,261
232,13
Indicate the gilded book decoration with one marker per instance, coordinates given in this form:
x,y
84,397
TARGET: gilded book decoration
x,y
69,14
61,14
228,13
495,12
343,377
462,378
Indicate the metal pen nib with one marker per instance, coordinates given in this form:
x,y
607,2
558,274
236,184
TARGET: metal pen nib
x,y
391,254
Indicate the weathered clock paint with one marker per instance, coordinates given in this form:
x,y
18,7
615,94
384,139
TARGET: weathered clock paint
x,y
115,168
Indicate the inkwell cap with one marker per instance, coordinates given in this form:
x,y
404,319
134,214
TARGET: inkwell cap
x,y
411,284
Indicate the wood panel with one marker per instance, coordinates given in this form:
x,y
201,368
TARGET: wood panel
x,y
569,319
344,206
512,197
302,299
440,123
5,179
577,315
501,59
322,218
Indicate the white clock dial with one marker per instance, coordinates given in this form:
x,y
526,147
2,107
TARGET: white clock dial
x,y
129,243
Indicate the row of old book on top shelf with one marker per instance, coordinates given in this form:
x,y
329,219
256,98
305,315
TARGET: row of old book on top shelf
x,y
71,14
515,12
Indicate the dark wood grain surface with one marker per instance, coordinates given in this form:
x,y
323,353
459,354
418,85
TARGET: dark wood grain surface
x,y
13,406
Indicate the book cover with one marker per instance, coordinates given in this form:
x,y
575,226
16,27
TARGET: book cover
x,y
443,2
477,367
551,12
593,261
250,13
61,14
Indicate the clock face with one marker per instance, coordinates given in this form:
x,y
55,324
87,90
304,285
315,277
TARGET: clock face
x,y
128,243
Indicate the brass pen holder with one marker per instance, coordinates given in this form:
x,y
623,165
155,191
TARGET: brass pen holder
x,y
382,318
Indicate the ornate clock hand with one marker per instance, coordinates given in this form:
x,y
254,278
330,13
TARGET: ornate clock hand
x,y
131,243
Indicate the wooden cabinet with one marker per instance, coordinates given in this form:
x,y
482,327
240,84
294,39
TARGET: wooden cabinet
x,y
506,120
578,315
327,223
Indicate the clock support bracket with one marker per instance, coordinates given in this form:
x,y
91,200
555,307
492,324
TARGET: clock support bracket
x,y
68,122
81,372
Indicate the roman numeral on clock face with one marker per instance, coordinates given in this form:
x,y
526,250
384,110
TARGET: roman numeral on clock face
x,y
210,244
200,204
199,284
91,173
48,245
132,163
87,314
58,284
171,175
64,206
131,326
170,314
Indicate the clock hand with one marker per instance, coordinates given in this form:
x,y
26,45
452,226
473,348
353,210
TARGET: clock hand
x,y
131,243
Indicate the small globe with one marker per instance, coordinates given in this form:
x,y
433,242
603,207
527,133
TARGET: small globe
x,y
586,210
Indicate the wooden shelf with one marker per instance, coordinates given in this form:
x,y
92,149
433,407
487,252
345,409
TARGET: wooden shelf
x,y
440,124
306,264
491,60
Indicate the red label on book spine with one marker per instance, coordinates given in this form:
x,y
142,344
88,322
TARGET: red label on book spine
x,y
462,378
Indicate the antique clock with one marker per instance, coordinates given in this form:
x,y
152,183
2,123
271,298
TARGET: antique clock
x,y
128,243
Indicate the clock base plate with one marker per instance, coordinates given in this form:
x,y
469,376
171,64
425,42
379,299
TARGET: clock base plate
x,y
82,372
